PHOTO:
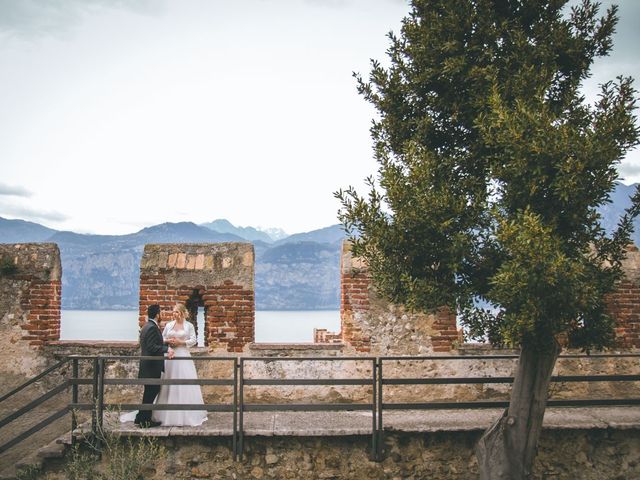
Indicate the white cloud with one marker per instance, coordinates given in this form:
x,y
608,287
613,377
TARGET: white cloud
x,y
45,18
629,168
14,190
28,213
190,111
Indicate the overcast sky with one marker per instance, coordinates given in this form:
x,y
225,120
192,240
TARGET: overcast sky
x,y
121,114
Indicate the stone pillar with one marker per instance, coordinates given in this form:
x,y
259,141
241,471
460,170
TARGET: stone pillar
x,y
355,285
447,331
372,324
624,303
216,276
30,290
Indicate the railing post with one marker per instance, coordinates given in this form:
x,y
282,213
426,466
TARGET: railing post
x,y
380,439
235,410
241,410
101,363
374,420
94,396
74,397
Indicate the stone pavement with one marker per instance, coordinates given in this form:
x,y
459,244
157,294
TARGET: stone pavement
x,y
360,423
31,444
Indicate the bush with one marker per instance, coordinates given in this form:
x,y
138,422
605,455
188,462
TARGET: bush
x,y
123,458
7,267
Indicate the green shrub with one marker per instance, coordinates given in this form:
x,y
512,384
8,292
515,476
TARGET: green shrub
x,y
7,267
123,458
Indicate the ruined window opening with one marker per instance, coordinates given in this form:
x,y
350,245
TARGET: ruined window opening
x,y
197,314
298,309
294,326
84,318
200,326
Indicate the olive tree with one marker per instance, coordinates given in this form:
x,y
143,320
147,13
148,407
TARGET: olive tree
x,y
492,166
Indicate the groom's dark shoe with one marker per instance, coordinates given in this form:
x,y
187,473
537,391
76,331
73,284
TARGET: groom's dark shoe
x,y
149,424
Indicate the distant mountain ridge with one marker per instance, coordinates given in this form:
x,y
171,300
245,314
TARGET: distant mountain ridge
x,y
248,233
331,234
101,272
299,272
16,231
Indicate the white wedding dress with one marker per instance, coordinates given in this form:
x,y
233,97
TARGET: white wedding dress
x,y
180,369
176,394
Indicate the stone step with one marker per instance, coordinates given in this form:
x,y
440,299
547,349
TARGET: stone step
x,y
64,439
53,450
31,462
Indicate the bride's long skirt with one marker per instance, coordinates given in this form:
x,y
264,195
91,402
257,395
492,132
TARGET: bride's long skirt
x,y
190,394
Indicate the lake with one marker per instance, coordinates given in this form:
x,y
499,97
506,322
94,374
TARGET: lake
x,y
271,326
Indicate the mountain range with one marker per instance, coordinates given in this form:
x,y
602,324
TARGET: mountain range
x,y
294,272
101,272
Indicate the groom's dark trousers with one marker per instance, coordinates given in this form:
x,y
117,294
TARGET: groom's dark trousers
x,y
151,344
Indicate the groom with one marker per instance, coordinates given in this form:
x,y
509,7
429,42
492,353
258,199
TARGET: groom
x,y
151,344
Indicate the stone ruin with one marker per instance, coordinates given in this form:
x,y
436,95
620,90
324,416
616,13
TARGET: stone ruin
x,y
371,324
220,279
624,303
368,323
30,292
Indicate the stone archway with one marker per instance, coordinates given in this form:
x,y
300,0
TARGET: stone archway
x,y
216,276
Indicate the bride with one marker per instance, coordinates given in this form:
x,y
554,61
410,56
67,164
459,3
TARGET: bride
x,y
181,335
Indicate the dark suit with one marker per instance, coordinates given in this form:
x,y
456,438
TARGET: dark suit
x,y
151,344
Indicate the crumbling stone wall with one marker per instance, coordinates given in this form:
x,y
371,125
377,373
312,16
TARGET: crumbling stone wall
x,y
562,455
216,276
30,288
370,324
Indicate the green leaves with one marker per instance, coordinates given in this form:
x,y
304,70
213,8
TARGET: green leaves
x,y
540,288
7,266
492,167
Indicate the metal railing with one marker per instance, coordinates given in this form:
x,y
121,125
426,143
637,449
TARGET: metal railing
x,y
99,405
238,381
482,404
315,407
54,369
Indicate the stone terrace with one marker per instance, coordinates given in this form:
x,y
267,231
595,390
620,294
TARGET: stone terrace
x,y
310,424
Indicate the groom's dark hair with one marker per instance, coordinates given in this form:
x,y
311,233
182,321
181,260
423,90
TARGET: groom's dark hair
x,y
153,310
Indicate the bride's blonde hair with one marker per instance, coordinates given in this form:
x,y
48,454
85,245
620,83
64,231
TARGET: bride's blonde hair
x,y
182,310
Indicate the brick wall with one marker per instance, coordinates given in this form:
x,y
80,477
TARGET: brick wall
x,y
30,287
624,306
370,324
624,303
43,304
30,274
218,277
446,330
355,283
230,318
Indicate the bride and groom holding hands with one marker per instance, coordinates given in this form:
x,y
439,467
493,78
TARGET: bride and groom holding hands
x,y
174,341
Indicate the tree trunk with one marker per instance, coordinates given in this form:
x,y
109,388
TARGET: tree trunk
x,y
508,448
